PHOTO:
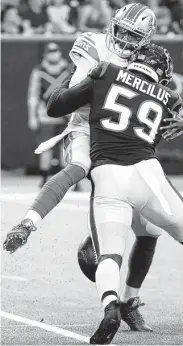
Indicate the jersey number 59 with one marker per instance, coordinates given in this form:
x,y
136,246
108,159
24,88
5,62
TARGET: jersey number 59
x,y
148,132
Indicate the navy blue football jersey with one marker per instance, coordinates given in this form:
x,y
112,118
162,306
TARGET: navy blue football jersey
x,y
126,116
126,113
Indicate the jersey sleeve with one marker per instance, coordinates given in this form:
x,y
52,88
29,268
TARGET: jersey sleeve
x,y
64,101
85,46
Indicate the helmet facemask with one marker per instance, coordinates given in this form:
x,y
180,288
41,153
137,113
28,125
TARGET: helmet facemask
x,y
125,39
128,33
166,75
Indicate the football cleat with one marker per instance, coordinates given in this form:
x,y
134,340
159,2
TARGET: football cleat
x,y
130,315
109,325
18,236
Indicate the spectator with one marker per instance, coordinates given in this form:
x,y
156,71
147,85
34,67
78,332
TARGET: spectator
x,y
58,14
163,16
35,17
116,4
44,78
11,21
94,14
13,3
176,10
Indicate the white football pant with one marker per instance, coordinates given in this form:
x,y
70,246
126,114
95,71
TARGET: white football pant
x,y
144,187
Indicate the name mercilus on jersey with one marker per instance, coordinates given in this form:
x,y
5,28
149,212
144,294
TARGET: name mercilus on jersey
x,y
147,88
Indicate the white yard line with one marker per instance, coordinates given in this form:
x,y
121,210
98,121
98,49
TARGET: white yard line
x,y
14,278
48,327
75,325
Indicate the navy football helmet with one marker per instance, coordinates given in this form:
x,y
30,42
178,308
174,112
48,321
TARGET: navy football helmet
x,y
154,61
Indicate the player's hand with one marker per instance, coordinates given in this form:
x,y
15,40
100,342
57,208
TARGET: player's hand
x,y
33,124
98,71
173,127
16,239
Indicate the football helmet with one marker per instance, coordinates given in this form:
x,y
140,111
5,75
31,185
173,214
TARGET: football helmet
x,y
130,29
153,61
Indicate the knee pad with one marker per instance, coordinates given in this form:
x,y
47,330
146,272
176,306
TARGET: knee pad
x,y
142,227
153,230
114,257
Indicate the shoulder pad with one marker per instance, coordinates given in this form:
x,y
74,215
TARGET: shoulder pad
x,y
84,46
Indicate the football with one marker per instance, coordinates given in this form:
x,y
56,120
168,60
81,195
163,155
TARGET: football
x,y
87,258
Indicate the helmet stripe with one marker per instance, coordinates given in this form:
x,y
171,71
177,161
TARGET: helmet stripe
x,y
130,8
133,11
139,12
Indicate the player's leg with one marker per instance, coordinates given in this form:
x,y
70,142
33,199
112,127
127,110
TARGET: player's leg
x,y
164,205
58,152
45,132
44,166
112,219
77,148
141,255
139,263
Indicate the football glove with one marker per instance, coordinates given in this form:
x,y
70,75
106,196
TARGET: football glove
x,y
174,128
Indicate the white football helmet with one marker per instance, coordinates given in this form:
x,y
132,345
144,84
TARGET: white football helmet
x,y
130,29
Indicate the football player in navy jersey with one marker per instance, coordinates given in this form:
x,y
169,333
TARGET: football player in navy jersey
x,y
130,29
127,111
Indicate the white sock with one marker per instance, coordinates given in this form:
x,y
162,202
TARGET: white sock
x,y
33,215
129,292
108,279
108,300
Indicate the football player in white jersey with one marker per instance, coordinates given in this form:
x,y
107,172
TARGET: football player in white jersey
x,y
130,29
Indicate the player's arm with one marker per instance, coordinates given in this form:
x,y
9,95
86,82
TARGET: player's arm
x,y
64,101
85,47
84,56
174,124
81,72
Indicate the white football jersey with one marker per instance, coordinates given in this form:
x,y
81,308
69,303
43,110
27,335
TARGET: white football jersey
x,y
92,47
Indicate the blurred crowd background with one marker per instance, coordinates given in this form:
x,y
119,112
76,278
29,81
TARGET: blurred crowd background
x,y
49,17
